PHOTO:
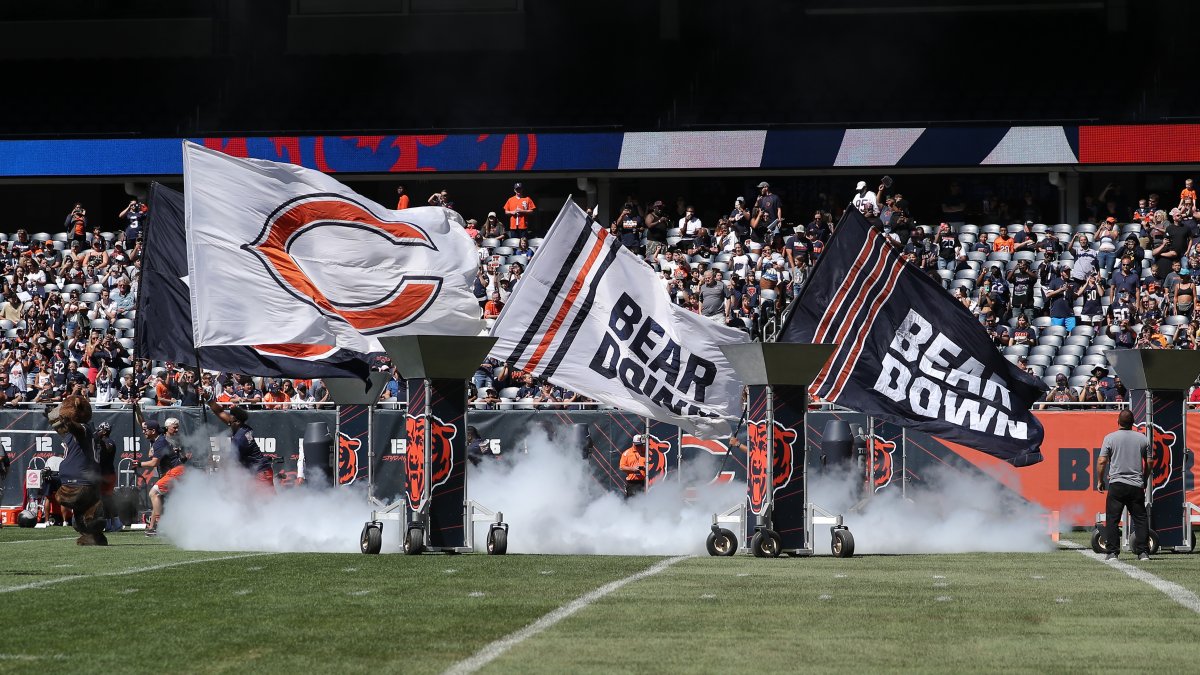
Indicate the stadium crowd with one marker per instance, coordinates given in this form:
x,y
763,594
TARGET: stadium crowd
x,y
1053,298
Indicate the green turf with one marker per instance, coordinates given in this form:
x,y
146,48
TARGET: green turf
x,y
1059,611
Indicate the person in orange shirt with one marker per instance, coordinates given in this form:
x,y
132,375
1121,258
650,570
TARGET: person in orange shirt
x,y
275,397
402,199
633,463
1003,243
1188,192
491,309
518,207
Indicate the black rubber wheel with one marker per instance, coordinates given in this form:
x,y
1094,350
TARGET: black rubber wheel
x,y
414,541
497,541
1152,542
766,544
371,541
1098,545
721,542
843,544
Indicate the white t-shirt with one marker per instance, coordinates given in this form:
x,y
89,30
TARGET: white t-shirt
x,y
861,201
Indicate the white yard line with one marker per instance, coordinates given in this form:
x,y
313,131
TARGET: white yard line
x,y
1172,590
133,570
491,651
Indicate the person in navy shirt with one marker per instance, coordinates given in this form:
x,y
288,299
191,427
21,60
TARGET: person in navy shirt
x,y
245,448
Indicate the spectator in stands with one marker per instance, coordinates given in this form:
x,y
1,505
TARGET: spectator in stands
x,y
1183,298
133,214
519,207
715,299
739,219
440,198
1061,291
997,331
528,388
1023,333
1125,337
1002,243
948,247
1092,290
1142,213
472,229
629,226
1021,284
547,395
401,198
275,398
768,203
1176,241
1060,393
491,309
303,398
14,309
10,395
656,225
76,224
1106,244
1188,192
1152,311
865,200
492,227
1090,393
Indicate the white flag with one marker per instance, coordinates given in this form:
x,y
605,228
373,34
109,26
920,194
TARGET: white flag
x,y
282,254
590,315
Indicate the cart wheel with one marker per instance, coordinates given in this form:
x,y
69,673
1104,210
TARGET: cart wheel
x,y
414,541
1098,545
721,542
371,540
766,544
843,544
1152,542
497,541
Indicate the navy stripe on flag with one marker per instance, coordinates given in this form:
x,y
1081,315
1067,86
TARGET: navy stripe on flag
x,y
564,346
552,295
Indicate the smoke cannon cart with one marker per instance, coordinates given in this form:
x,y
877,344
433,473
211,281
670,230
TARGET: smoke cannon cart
x,y
777,517
435,514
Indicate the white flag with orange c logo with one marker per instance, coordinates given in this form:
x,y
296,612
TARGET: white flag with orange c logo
x,y
278,253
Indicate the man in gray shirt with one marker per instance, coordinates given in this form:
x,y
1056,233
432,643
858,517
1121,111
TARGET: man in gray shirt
x,y
1125,460
714,298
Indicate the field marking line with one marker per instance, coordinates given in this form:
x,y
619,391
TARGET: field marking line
x,y
491,651
1182,596
121,573
34,541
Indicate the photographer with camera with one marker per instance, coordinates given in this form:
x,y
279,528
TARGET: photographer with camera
x,y
133,214
629,227
76,223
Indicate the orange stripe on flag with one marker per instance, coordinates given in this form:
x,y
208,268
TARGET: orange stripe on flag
x,y
565,308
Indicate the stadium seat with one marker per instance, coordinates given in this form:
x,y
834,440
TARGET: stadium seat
x,y
100,323
511,241
60,236
1083,330
1078,340
535,242
72,287
89,297
1094,360
1039,228
1078,381
1074,350
1097,348
1069,360
1058,331
509,393
125,342
1087,228
1051,371
1040,322
1175,320
1052,340
1016,350
503,251
1037,370
1043,350
1041,360
990,228
489,243
41,236
123,323
967,228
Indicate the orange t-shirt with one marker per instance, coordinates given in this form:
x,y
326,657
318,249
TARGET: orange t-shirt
x,y
275,400
633,463
402,203
492,309
518,222
1188,193
1004,245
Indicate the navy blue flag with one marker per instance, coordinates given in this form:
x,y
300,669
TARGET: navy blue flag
x,y
908,352
163,326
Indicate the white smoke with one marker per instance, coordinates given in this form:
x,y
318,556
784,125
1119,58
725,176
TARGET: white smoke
x,y
228,510
952,511
553,505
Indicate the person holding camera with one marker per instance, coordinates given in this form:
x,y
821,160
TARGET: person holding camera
x,y
656,224
629,227
76,223
1092,291
133,214
1123,470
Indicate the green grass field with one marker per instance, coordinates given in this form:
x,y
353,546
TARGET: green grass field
x,y
159,609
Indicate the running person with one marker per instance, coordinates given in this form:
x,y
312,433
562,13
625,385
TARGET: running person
x,y
169,462
244,446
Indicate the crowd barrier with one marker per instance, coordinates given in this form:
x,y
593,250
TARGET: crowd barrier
x,y
899,458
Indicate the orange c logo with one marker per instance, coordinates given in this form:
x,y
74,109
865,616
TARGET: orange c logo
x,y
368,308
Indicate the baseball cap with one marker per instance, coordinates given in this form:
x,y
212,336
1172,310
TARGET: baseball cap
x,y
764,184
472,221
517,186
153,425
491,214
1110,219
659,203
741,199
639,439
861,184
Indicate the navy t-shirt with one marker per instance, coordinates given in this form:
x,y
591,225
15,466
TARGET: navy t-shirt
x,y
248,453
168,457
79,462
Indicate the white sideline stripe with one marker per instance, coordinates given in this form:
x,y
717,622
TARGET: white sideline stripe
x,y
489,652
1172,590
133,570
34,541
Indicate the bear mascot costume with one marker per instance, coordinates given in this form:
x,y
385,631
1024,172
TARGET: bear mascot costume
x,y
80,469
